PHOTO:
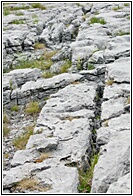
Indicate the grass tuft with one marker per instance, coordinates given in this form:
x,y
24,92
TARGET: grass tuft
x,y
39,46
6,129
20,21
91,67
39,6
47,74
15,108
31,184
32,108
85,178
97,20
65,67
109,82
21,141
42,157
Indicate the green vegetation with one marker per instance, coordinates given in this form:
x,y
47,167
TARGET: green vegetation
x,y
32,108
105,123
6,129
48,54
128,100
21,141
38,5
109,82
6,118
117,8
42,157
121,33
85,177
91,66
19,14
79,64
47,74
6,121
126,4
66,66
94,131
31,184
35,21
39,46
15,108
6,12
20,21
97,20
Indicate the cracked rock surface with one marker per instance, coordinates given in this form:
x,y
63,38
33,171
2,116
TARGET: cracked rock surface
x,y
84,110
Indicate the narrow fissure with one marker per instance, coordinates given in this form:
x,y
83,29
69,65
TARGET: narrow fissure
x,y
92,153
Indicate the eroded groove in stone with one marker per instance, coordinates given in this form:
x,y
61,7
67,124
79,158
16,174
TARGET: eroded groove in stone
x,y
82,109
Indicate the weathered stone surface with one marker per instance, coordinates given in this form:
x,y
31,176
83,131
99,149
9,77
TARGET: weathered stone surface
x,y
119,71
113,163
76,105
113,107
42,144
24,156
24,75
122,185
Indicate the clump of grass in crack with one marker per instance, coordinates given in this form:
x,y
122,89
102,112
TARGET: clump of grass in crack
x,y
85,177
42,157
39,46
121,33
91,67
109,82
47,74
48,54
19,14
32,108
105,123
126,4
35,21
128,100
21,141
31,184
20,21
6,129
66,66
117,8
39,6
79,64
6,118
97,20
6,121
15,108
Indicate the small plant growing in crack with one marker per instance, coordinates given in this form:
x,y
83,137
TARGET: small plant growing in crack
x,y
31,184
105,123
85,177
109,82
15,108
42,157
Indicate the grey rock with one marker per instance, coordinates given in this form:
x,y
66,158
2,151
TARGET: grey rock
x,y
116,90
122,185
24,156
42,144
118,71
66,177
16,174
24,75
112,108
113,163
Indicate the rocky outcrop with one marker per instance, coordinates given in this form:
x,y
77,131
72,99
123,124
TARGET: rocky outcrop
x,y
83,112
